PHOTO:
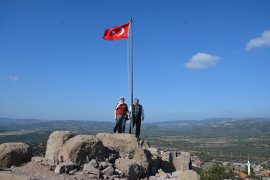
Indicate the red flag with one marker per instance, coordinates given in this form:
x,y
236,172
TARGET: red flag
x,y
117,32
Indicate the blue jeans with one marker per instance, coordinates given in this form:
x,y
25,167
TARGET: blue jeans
x,y
120,124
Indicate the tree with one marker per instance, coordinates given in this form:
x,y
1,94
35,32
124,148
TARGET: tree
x,y
217,172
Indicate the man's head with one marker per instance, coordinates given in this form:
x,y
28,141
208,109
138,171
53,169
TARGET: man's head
x,y
136,101
122,98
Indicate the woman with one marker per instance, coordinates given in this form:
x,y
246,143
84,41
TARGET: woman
x,y
120,112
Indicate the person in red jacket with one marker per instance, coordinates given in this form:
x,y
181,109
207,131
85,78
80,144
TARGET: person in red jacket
x,y
121,110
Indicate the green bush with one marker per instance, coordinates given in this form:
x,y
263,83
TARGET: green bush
x,y
217,172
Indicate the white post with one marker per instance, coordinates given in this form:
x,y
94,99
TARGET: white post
x,y
248,166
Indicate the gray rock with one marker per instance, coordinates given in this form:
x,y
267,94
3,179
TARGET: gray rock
x,y
82,176
128,146
112,158
118,172
152,178
37,159
134,171
122,143
73,172
115,176
162,173
49,162
80,149
54,143
93,176
65,167
176,174
94,163
190,175
153,151
5,175
14,154
89,168
108,171
144,144
181,160
104,165
129,167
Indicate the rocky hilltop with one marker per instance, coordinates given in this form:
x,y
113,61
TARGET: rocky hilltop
x,y
104,156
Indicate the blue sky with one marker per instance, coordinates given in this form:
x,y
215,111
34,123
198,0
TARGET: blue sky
x,y
192,59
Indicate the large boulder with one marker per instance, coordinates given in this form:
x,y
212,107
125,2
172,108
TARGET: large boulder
x,y
81,149
14,154
186,175
122,143
54,143
129,167
127,145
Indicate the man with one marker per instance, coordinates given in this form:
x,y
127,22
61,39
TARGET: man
x,y
138,116
121,110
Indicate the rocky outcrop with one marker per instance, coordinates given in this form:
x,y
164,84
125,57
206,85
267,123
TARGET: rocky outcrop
x,y
106,156
122,143
14,154
175,161
54,143
81,149
127,145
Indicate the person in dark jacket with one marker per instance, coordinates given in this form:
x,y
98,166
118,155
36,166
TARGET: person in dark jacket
x,y
120,112
138,117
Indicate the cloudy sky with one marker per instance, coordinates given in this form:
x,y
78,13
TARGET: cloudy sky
x,y
192,59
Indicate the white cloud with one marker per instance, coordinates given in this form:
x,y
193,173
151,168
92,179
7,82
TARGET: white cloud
x,y
263,40
13,78
202,60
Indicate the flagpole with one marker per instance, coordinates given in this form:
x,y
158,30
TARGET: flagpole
x,y
131,72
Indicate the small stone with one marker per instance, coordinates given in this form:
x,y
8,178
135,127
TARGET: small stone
x,y
94,163
91,169
108,171
48,162
103,165
176,174
115,176
72,172
37,159
65,167
112,158
152,178
93,176
118,172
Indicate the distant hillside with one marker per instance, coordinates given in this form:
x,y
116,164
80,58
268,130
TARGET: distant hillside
x,y
92,127
202,128
221,139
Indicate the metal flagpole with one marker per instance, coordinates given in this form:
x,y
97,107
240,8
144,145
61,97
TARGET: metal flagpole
x,y
131,72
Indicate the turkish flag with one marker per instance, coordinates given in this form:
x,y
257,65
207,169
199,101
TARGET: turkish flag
x,y
117,32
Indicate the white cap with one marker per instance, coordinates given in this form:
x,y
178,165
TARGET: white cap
x,y
122,97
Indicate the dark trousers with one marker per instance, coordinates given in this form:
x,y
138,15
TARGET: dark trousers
x,y
137,123
120,124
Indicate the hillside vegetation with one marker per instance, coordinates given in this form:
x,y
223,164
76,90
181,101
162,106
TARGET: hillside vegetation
x,y
211,139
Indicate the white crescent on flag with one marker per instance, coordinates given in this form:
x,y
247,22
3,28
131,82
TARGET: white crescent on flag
x,y
122,32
